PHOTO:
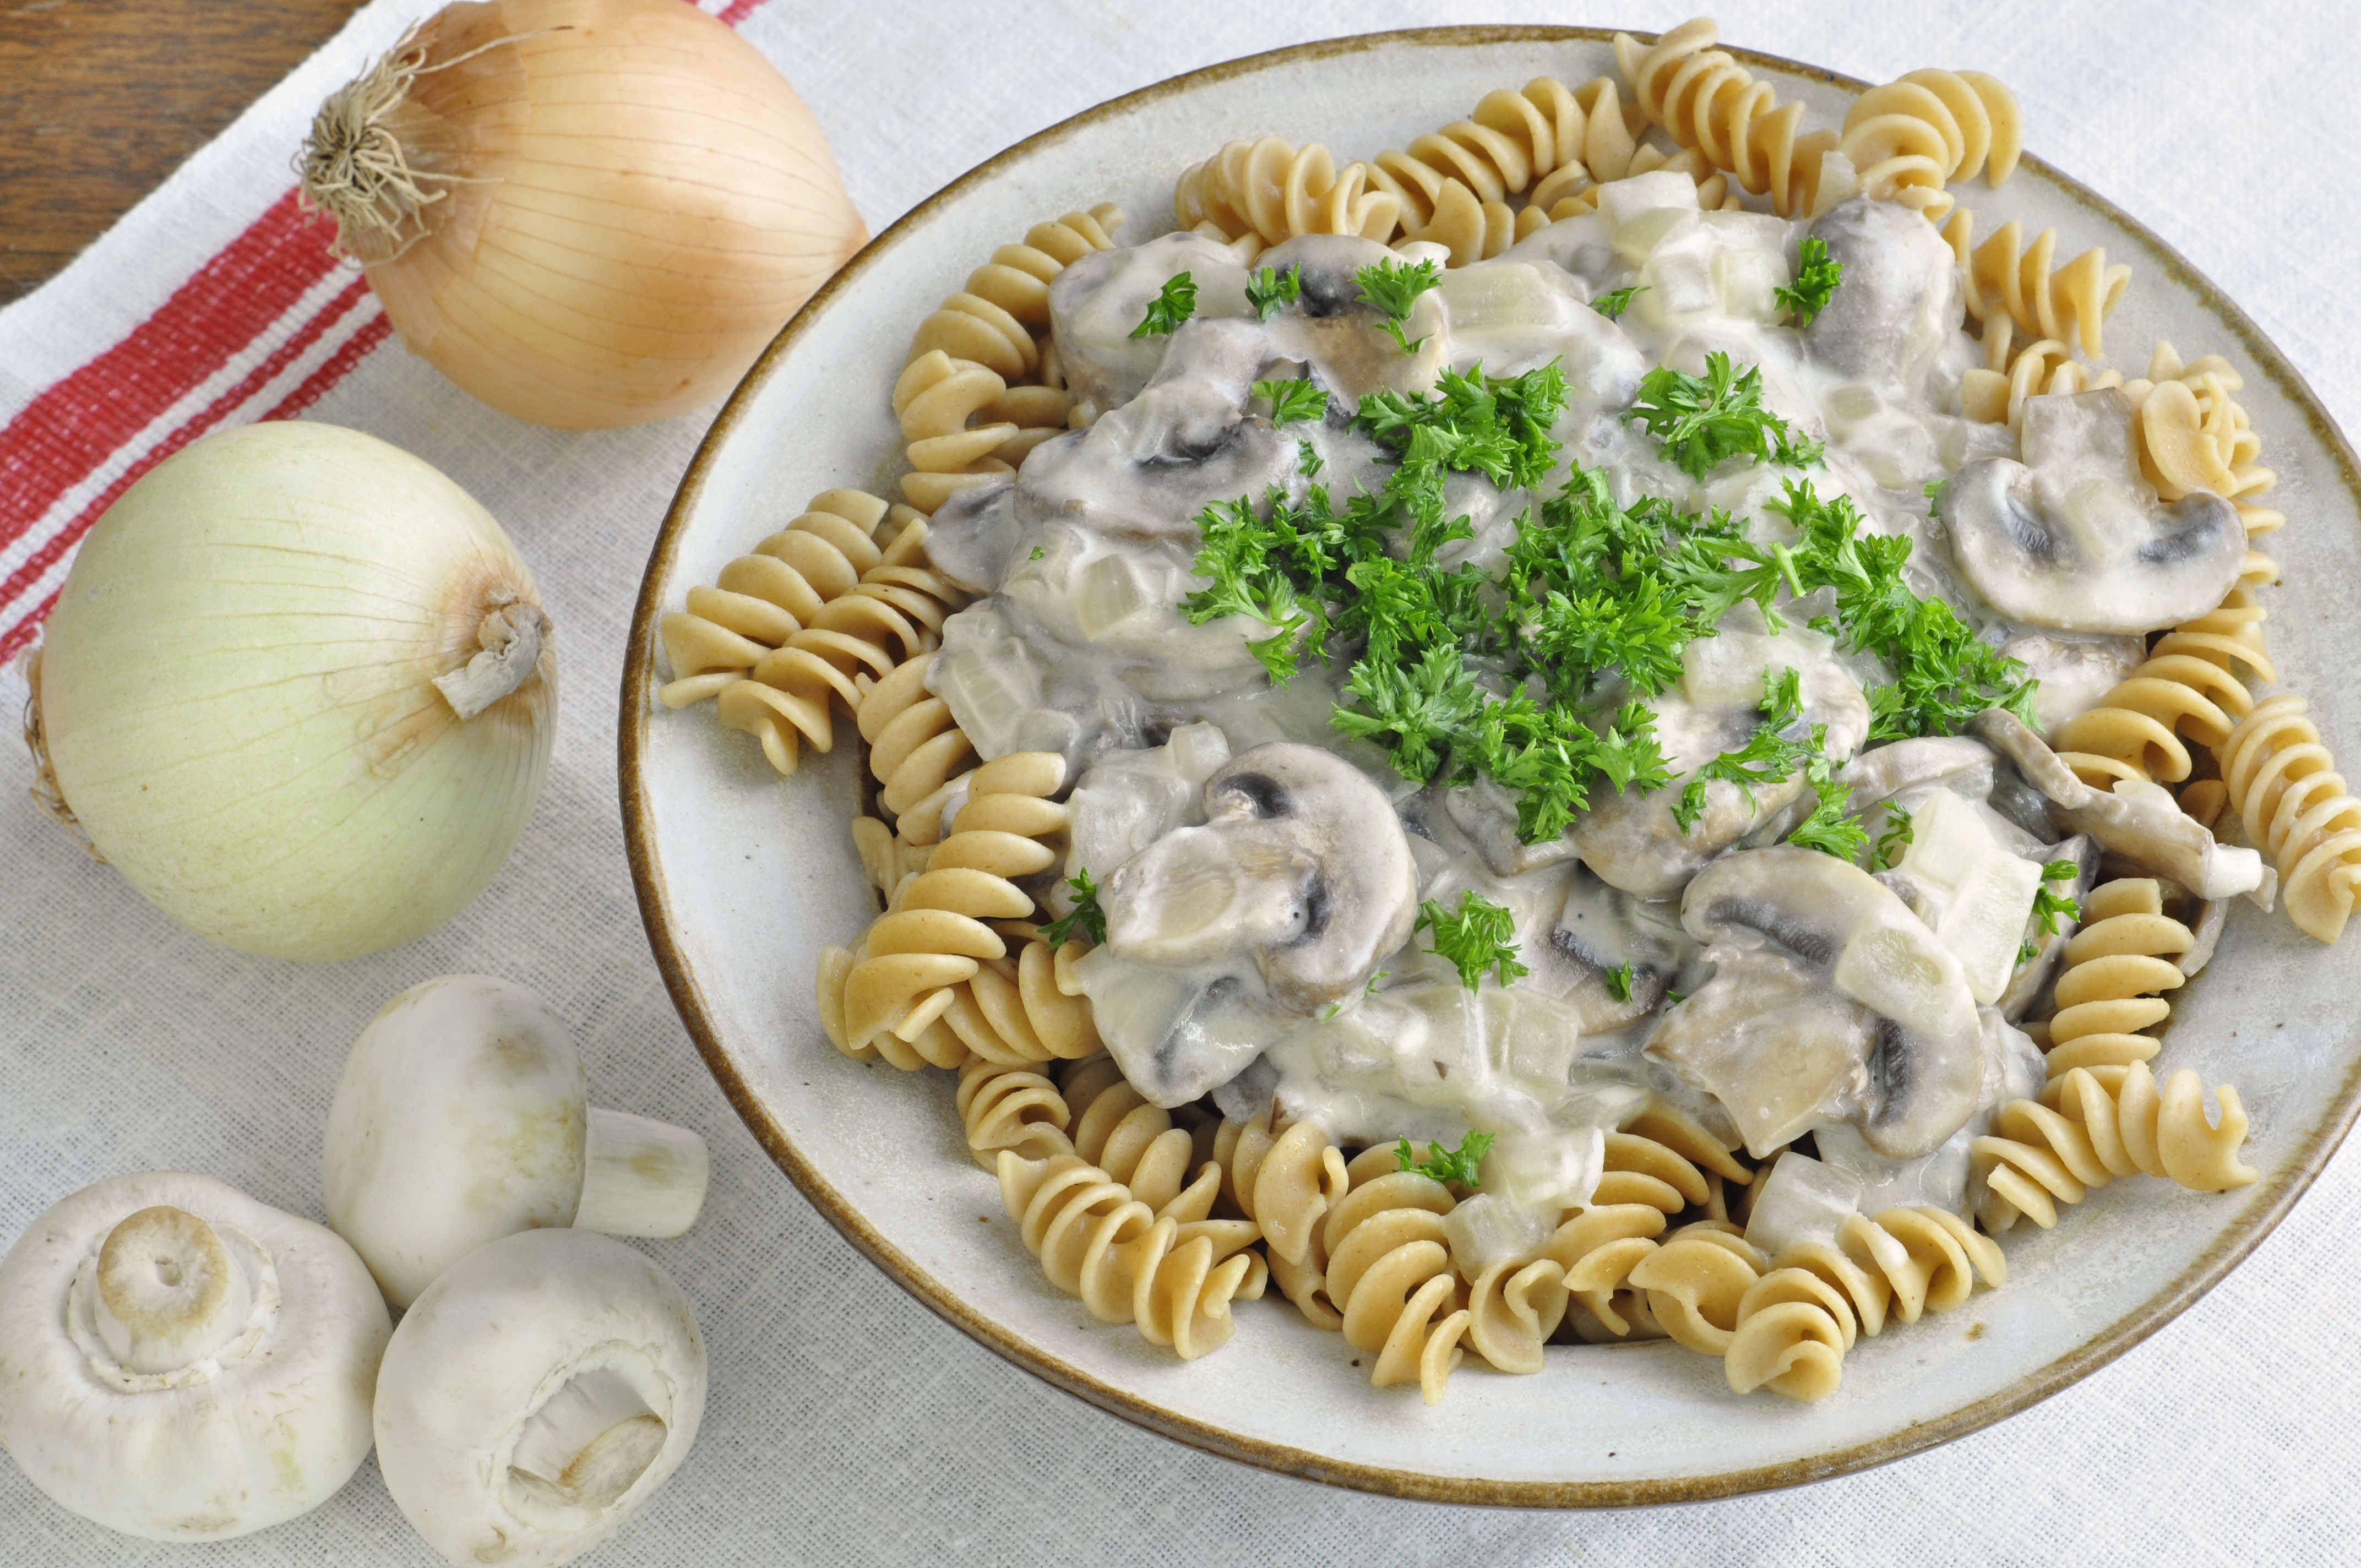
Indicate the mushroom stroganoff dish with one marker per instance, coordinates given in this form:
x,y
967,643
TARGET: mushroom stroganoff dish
x,y
1611,726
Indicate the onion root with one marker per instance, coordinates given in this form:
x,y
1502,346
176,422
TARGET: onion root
x,y
46,792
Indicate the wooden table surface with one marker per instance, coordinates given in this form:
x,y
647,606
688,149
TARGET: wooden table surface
x,y
100,99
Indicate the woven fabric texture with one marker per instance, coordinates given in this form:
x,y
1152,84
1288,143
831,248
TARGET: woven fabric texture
x,y
847,1425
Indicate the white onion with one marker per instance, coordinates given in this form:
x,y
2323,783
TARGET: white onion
x,y
587,212
251,691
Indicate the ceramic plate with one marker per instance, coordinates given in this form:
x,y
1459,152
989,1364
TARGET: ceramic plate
x,y
743,877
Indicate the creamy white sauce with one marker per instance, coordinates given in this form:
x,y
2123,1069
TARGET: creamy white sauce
x,y
1079,647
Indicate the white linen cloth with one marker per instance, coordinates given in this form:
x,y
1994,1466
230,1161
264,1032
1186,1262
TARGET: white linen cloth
x,y
848,1426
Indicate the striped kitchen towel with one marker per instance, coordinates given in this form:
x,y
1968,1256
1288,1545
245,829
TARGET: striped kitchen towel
x,y
214,302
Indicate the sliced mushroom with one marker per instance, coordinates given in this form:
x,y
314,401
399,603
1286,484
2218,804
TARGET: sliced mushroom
x,y
2075,537
1601,930
1186,442
2075,674
1100,299
1899,300
1633,841
1511,315
2012,1069
1958,762
2024,987
1301,865
975,538
1862,1014
1339,333
2139,822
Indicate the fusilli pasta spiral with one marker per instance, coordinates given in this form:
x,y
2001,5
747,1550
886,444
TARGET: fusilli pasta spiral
x,y
2083,1133
1695,1281
2069,303
1170,1275
1115,1128
1275,191
939,401
1792,1331
1285,1182
923,961
2114,967
1909,139
1011,1107
1707,102
992,321
2294,805
1389,1275
1928,1259
1597,1247
1513,1307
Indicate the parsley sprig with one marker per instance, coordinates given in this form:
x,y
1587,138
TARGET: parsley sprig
x,y
1393,286
1174,303
1293,401
1615,301
1780,745
1944,673
1474,938
1086,913
2049,907
1817,278
1447,1165
1271,291
1705,420
1893,841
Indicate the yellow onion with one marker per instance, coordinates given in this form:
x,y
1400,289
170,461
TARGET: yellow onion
x,y
587,212
299,690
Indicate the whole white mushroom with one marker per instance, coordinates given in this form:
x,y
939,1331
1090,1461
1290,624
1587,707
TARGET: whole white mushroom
x,y
537,1394
179,1361
461,1118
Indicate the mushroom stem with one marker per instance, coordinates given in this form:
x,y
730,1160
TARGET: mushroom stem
x,y
641,1178
591,1440
169,1293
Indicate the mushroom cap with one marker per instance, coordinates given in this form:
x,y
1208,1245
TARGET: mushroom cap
x,y
1855,942
505,1336
1301,863
460,1118
1097,300
1899,302
2075,539
237,1442
1189,439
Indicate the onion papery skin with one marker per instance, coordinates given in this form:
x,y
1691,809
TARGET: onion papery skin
x,y
646,203
236,690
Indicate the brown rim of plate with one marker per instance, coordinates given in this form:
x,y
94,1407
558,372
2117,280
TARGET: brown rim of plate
x,y
2279,1194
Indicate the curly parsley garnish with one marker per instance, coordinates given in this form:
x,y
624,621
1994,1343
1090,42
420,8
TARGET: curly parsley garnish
x,y
1447,1165
1615,301
1292,401
1779,746
2049,907
1893,841
1704,421
1394,287
1945,673
1271,291
1173,305
1827,829
1816,279
1474,939
1086,913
